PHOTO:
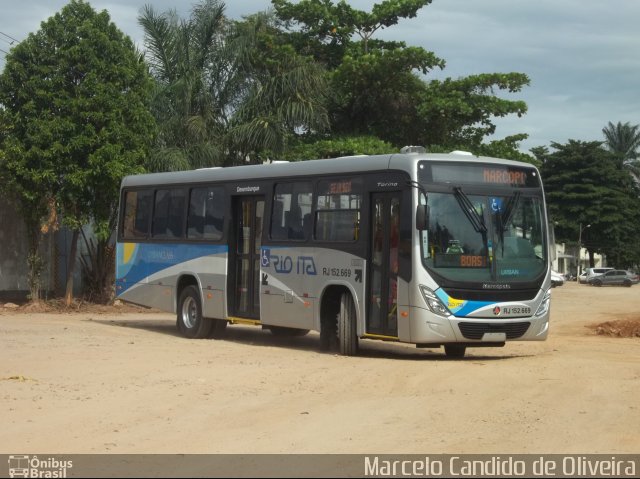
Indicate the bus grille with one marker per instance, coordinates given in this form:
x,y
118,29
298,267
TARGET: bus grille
x,y
477,330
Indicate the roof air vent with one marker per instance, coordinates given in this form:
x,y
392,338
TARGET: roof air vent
x,y
413,149
463,153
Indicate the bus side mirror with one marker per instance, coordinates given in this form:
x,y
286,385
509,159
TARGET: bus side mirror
x,y
422,217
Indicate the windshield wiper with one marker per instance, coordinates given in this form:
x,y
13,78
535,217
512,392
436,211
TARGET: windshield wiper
x,y
509,208
470,212
505,216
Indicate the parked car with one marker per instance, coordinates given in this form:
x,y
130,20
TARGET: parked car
x,y
593,272
556,279
615,277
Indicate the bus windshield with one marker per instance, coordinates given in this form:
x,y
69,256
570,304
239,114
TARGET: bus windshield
x,y
485,237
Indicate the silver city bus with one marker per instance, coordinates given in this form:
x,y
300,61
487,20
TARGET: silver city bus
x,y
432,249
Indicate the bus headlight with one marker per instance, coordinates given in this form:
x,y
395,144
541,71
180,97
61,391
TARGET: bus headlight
x,y
434,304
544,306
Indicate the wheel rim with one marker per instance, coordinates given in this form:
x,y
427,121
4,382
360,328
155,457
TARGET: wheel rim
x,y
189,312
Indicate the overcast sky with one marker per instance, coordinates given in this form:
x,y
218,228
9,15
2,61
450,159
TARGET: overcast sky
x,y
582,56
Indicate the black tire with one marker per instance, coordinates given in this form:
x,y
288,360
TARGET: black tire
x,y
347,332
284,332
627,283
329,335
454,350
597,283
190,321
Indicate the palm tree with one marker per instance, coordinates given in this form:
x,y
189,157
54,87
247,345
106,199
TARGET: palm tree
x,y
624,140
218,102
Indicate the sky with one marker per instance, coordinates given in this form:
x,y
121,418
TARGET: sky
x,y
582,56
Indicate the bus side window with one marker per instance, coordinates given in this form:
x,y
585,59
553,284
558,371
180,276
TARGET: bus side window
x,y
137,212
205,218
168,214
338,211
291,203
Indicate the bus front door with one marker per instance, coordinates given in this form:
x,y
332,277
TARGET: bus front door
x,y
244,259
382,315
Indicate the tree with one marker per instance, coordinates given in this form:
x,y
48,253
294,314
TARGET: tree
x,y
217,100
377,93
378,87
584,185
26,185
324,30
459,112
338,146
507,148
624,140
76,96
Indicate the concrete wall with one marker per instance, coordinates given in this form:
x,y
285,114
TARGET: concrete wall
x,y
54,249
13,252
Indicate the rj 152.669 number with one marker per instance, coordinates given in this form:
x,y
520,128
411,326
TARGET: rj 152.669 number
x,y
524,310
339,272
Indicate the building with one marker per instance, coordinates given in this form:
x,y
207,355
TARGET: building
x,y
569,261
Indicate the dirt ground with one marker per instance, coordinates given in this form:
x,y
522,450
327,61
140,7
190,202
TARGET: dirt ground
x,y
114,381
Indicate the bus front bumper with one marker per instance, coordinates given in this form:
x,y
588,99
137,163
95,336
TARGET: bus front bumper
x,y
425,327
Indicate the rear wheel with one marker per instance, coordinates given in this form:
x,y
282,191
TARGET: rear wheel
x,y
454,350
190,320
347,332
329,334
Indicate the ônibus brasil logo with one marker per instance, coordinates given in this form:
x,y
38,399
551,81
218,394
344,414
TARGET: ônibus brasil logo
x,y
32,466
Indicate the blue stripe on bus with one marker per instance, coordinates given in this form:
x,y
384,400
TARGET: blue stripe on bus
x,y
460,307
136,261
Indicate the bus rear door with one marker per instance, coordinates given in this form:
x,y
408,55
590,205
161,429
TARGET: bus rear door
x,y
244,257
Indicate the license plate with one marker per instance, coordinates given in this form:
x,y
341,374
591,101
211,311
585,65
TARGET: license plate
x,y
516,311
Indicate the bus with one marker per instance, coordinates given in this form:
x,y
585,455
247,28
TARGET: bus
x,y
436,250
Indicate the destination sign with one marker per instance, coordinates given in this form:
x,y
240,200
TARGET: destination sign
x,y
478,174
448,260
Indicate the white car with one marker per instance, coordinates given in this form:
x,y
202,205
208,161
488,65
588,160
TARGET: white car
x,y
556,279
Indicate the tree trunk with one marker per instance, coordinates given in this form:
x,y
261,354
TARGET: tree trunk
x,y
68,297
35,262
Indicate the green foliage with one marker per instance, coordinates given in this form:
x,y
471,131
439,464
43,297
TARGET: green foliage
x,y
507,148
624,141
225,90
74,99
460,111
75,93
324,29
375,94
584,185
376,87
338,146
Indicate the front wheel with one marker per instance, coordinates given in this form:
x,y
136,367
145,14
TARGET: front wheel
x,y
347,331
190,320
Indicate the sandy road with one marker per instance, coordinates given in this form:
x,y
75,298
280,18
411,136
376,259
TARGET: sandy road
x,y
127,383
